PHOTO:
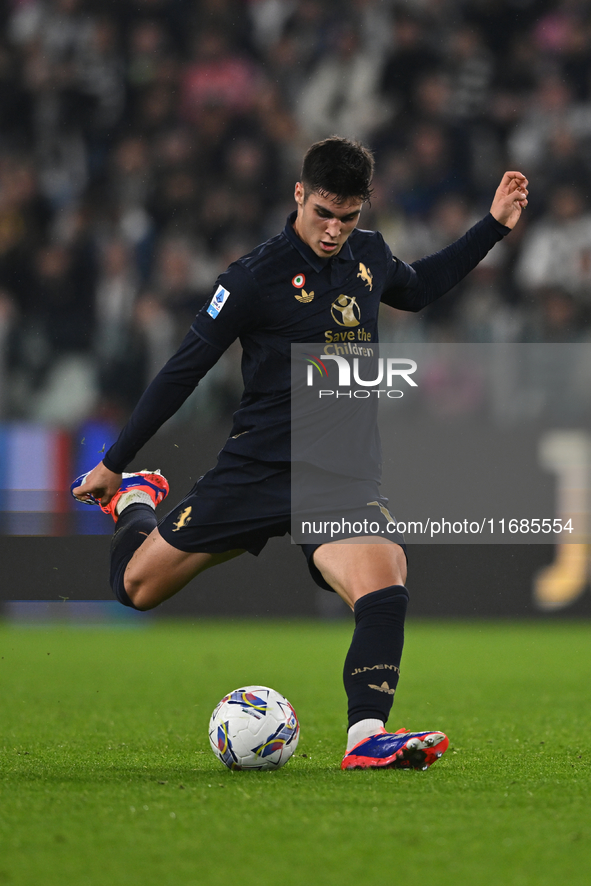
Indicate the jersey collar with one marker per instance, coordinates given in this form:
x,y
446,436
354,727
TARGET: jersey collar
x,y
317,263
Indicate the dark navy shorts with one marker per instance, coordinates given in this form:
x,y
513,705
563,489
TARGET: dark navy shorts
x,y
242,503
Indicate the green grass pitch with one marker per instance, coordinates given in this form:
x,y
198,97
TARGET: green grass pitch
x,y
107,777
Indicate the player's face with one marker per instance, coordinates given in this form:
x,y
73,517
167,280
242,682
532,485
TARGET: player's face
x,y
323,222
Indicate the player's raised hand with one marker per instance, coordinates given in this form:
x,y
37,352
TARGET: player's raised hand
x,y
510,199
100,483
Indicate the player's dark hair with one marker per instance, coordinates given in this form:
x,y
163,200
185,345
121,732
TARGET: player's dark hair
x,y
338,166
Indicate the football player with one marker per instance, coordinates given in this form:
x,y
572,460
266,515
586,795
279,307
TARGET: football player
x,y
319,275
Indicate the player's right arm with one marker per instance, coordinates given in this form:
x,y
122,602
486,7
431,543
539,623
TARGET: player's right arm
x,y
159,402
216,326
101,483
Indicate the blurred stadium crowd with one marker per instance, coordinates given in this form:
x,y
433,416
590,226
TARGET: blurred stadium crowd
x,y
145,144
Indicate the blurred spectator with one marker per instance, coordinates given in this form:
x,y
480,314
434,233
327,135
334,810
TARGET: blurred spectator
x,y
557,249
556,317
251,173
308,26
62,299
483,312
566,163
217,76
174,278
62,27
552,108
498,21
433,171
471,71
268,18
116,292
286,68
409,61
130,172
24,219
228,17
340,95
155,326
147,46
15,105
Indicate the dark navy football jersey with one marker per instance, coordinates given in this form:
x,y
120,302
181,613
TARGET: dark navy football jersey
x,y
283,293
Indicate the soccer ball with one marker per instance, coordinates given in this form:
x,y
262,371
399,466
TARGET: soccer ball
x,y
254,728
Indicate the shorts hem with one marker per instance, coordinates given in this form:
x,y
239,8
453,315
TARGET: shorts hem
x,y
309,550
212,547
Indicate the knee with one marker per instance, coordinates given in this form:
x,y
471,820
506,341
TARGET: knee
x,y
138,593
143,600
143,605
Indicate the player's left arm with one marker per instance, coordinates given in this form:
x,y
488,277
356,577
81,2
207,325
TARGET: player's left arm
x,y
412,287
510,199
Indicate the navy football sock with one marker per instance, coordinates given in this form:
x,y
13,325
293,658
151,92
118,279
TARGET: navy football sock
x,y
372,666
134,525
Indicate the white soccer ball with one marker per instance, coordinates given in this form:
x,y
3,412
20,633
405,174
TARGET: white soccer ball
x,y
254,728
